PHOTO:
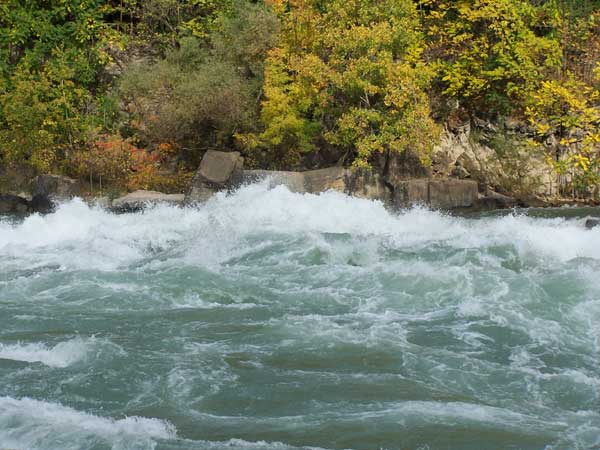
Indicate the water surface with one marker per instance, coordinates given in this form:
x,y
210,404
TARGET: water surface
x,y
268,320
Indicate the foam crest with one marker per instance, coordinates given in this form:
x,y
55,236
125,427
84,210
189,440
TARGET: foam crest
x,y
33,424
61,355
80,236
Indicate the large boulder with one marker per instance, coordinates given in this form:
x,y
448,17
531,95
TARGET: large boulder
x,y
329,179
411,192
367,184
451,193
13,204
494,200
141,199
54,187
41,204
218,171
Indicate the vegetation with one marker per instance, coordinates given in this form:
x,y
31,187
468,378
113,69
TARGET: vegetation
x,y
132,93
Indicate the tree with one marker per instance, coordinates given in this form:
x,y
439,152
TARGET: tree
x,y
569,111
52,54
490,54
347,75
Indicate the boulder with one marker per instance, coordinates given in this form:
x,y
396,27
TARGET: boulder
x,y
451,193
367,184
330,179
218,171
411,192
495,200
141,199
13,204
54,187
592,223
41,204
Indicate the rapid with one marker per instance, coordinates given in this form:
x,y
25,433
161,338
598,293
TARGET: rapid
x,y
270,320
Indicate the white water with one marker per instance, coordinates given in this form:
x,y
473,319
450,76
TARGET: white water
x,y
272,320
62,354
91,238
31,424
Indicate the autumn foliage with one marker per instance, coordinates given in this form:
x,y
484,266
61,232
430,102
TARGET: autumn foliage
x,y
132,93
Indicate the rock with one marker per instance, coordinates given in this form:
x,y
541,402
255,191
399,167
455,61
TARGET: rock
x,y
54,187
460,172
330,179
404,166
218,171
13,204
592,223
445,194
41,204
369,184
411,192
495,200
451,194
484,125
139,200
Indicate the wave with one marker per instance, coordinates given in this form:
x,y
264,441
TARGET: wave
x,y
219,230
61,355
33,424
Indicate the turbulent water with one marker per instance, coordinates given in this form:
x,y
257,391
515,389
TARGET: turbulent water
x,y
268,320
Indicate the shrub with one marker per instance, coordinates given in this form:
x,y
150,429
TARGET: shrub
x,y
348,76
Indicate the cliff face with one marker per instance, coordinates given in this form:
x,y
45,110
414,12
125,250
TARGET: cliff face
x,y
498,160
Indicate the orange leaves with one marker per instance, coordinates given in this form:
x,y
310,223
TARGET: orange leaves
x,y
116,161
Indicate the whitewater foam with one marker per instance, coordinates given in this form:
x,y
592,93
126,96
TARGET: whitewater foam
x,y
34,424
89,237
271,315
61,355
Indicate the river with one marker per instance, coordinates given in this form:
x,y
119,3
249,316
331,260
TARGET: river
x,y
268,320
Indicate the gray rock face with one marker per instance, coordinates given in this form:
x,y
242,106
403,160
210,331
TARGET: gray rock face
x,y
494,200
218,171
592,223
13,204
404,166
451,194
330,179
54,187
437,193
141,199
367,184
397,180
411,192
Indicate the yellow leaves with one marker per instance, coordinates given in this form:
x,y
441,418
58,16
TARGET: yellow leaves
x,y
354,76
581,161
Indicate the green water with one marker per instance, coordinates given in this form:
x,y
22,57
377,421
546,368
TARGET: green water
x,y
270,320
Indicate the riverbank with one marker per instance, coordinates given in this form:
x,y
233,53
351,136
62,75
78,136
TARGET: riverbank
x,y
398,181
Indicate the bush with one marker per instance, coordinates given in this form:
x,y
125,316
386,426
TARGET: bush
x,y
198,97
347,77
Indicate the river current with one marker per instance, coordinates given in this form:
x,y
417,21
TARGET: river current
x,y
269,320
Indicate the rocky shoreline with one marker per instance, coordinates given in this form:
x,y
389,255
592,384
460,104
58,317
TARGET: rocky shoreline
x,y
405,185
398,181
